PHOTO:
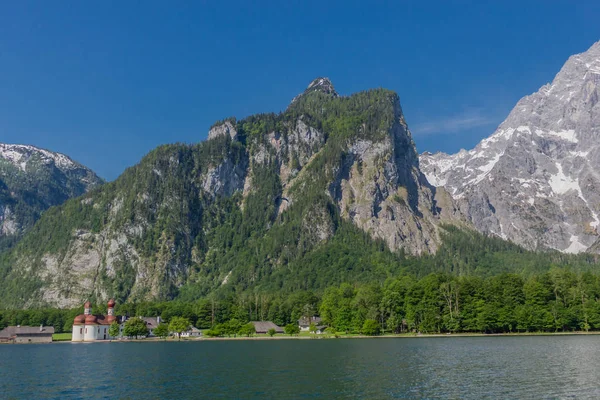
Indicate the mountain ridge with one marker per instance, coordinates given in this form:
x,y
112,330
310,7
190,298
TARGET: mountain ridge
x,y
237,210
31,181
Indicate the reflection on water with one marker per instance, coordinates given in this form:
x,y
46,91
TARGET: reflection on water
x,y
441,368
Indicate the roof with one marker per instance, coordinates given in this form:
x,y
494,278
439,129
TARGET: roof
x,y
265,326
151,322
306,321
13,331
194,330
100,320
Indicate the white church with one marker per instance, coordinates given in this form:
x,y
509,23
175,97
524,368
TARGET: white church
x,y
90,328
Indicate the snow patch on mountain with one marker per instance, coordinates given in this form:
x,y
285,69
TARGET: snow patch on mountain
x,y
561,183
20,155
576,246
568,135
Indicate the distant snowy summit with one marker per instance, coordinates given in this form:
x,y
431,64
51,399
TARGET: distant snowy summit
x,y
20,155
33,180
536,180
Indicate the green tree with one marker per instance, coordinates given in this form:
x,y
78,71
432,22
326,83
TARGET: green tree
x,y
331,331
232,327
162,330
272,332
135,327
371,328
214,332
292,329
179,325
312,328
113,330
247,329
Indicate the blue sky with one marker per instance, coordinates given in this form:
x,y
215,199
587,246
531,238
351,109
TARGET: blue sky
x,y
105,82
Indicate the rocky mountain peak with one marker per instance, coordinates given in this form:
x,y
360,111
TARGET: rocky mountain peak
x,y
534,180
320,84
20,155
323,85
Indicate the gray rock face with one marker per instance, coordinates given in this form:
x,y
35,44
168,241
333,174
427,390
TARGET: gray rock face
x,y
536,180
226,128
381,189
225,179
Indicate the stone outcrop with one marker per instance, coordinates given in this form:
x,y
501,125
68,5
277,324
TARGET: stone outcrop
x,y
381,189
223,129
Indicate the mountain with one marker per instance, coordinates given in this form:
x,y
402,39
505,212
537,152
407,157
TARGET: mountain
x,y
333,181
33,180
536,180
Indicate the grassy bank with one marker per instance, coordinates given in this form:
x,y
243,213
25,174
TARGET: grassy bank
x,y
61,337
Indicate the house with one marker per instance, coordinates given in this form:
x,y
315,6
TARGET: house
x,y
321,329
263,327
27,334
90,328
192,333
151,323
304,323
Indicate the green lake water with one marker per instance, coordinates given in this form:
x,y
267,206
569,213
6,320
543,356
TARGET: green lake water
x,y
532,367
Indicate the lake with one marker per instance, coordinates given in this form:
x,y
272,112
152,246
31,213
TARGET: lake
x,y
525,367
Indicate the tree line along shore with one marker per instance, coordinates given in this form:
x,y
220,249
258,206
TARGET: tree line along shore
x,y
560,300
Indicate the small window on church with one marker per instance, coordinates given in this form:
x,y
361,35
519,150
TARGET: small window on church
x,y
80,331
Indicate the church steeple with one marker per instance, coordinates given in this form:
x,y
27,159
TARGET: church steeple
x,y
111,307
87,308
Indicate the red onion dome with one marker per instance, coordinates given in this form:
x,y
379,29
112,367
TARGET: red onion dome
x,y
87,304
80,319
111,303
90,319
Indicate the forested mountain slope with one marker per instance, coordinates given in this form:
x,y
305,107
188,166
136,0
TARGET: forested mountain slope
x,y
248,207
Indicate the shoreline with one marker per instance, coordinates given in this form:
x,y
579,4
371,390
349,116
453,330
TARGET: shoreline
x,y
329,337
400,336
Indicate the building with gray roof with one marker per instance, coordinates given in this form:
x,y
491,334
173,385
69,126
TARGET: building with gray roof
x,y
27,334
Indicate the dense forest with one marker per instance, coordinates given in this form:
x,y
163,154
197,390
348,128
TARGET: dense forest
x,y
559,300
474,283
